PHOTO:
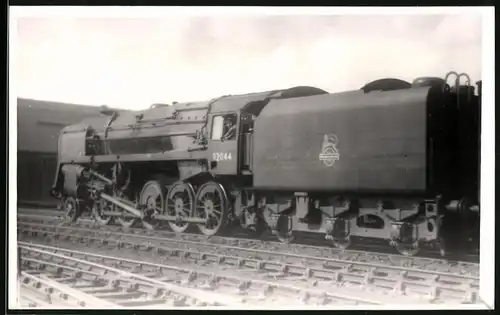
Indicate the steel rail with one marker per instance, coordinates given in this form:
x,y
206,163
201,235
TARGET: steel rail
x,y
368,245
120,290
320,244
319,251
207,298
263,289
31,294
465,270
83,299
388,278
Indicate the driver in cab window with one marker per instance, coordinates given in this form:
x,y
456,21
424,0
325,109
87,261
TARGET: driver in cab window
x,y
229,127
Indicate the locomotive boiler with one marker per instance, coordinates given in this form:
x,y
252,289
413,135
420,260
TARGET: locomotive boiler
x,y
396,161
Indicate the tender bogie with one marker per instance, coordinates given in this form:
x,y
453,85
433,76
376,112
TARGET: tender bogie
x,y
407,224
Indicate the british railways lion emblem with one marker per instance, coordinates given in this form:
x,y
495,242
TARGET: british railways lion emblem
x,y
329,153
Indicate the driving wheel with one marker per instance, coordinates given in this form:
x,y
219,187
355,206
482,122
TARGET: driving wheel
x,y
212,205
152,196
180,203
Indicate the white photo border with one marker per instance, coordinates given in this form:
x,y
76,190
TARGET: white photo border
x,y
487,239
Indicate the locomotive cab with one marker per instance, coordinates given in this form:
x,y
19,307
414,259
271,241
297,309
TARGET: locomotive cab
x,y
223,142
229,132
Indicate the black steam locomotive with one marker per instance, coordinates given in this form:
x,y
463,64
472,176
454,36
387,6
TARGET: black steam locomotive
x,y
394,160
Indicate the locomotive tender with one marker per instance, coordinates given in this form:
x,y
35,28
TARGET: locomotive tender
x,y
394,161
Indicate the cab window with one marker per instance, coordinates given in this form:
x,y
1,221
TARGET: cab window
x,y
224,127
217,127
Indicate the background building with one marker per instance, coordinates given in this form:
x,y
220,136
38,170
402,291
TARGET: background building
x,y
38,127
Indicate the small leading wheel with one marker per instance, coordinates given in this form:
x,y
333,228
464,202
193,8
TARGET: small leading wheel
x,y
407,249
98,208
180,203
152,196
71,209
212,205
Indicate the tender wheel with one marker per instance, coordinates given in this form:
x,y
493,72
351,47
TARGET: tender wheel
x,y
405,240
284,229
251,220
71,209
212,205
470,221
343,243
98,208
152,196
180,203
407,249
285,238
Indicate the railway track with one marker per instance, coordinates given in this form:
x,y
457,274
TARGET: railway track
x,y
96,280
42,287
81,279
311,244
432,282
40,212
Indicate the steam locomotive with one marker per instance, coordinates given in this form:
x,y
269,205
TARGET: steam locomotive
x,y
395,161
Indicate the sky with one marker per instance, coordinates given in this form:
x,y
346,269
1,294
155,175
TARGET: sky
x,y
134,62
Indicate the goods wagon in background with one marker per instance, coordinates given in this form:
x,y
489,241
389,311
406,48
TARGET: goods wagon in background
x,y
38,125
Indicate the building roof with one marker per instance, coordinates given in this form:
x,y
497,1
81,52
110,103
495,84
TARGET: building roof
x,y
57,106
